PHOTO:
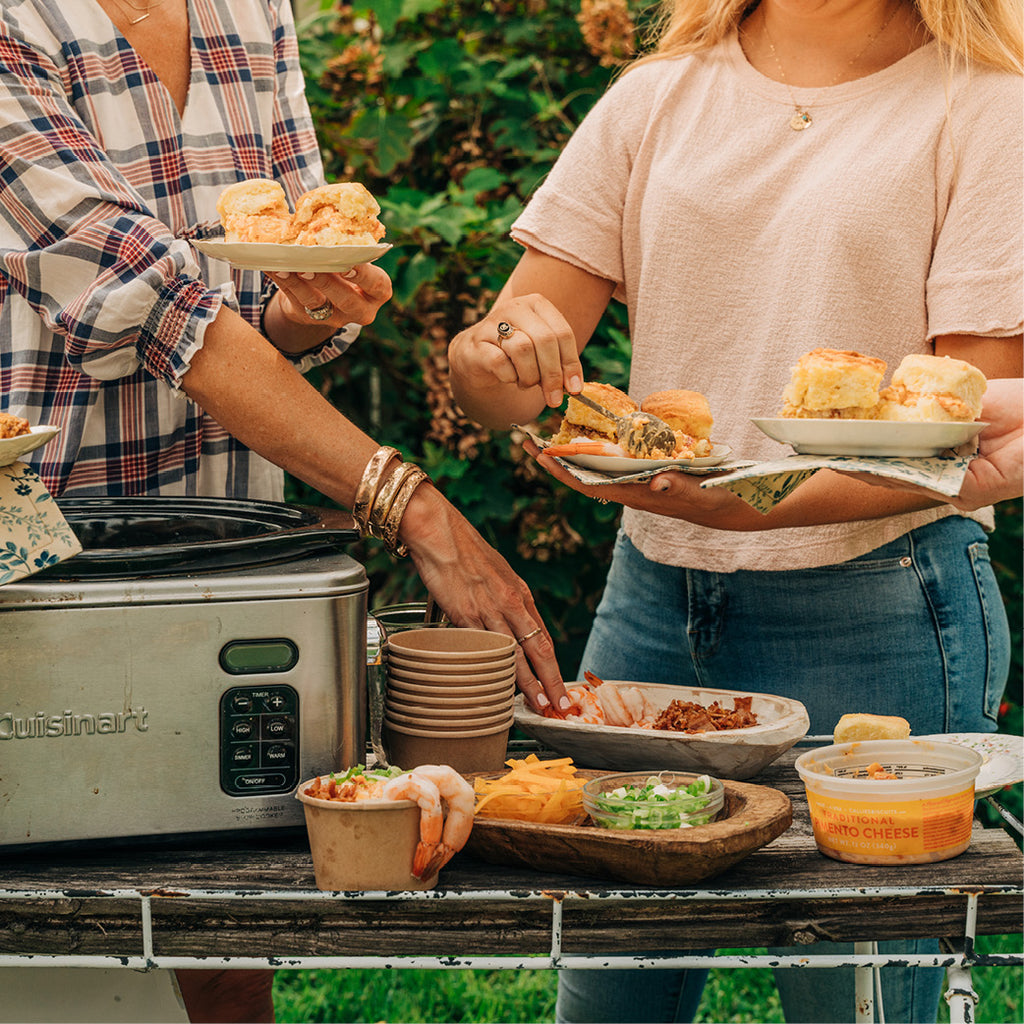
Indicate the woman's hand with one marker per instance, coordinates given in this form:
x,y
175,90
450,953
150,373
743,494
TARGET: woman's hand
x,y
997,472
524,341
676,495
507,374
311,307
476,587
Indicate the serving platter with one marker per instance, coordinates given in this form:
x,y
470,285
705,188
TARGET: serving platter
x,y
319,259
728,754
619,464
12,448
752,817
1002,757
872,438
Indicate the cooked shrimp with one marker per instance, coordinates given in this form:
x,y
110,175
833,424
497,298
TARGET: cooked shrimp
x,y
613,706
460,799
426,795
639,708
586,447
585,705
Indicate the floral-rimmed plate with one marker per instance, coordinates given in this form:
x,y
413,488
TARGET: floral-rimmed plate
x,y
616,464
1003,757
317,259
875,438
12,448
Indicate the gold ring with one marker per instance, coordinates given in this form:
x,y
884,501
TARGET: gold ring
x,y
321,312
505,331
533,632
603,501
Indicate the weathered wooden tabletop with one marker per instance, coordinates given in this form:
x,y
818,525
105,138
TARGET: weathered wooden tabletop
x,y
247,897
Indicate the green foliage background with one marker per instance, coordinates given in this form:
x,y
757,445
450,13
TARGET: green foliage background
x,y
451,113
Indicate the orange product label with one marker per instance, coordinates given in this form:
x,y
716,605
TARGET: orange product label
x,y
899,827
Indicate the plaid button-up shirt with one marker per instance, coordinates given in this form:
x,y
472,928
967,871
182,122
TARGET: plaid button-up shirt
x,y
103,300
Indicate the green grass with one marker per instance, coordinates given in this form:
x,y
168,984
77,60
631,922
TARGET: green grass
x,y
743,996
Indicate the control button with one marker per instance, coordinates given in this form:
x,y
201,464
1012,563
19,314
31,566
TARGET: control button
x,y
243,755
241,703
276,702
277,754
243,730
264,780
277,728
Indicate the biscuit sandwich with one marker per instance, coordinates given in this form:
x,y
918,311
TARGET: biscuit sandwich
x,y
936,389
255,210
340,214
689,416
580,421
829,383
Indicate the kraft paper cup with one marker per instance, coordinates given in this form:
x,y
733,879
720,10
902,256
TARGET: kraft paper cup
x,y
490,690
451,713
452,701
472,750
453,644
459,723
368,845
922,816
489,672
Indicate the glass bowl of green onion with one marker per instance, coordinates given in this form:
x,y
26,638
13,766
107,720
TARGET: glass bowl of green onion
x,y
641,800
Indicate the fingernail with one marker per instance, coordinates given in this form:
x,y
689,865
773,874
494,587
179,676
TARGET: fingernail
x,y
564,704
555,399
282,273
350,273
661,486
575,385
306,275
542,700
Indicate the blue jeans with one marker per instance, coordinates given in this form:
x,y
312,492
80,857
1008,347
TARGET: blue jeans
x,y
915,628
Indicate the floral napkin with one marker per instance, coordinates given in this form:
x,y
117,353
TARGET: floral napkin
x,y
763,485
33,532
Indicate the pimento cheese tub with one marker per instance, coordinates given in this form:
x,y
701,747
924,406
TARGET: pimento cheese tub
x,y
891,801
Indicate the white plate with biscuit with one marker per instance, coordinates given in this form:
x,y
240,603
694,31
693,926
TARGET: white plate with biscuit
x,y
316,259
620,464
12,448
871,438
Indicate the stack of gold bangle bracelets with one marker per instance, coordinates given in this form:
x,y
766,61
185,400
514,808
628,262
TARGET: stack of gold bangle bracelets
x,y
380,503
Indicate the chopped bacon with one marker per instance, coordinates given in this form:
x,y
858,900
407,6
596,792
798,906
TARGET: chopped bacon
x,y
687,716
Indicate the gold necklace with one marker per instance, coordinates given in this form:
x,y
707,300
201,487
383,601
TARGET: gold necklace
x,y
146,11
801,118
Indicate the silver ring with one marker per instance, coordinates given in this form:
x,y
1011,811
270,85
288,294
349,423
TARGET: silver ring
x,y
321,312
522,639
505,331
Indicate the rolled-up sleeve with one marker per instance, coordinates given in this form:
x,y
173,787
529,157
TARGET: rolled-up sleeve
x,y
77,241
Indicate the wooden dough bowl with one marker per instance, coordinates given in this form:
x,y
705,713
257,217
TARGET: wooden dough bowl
x,y
667,858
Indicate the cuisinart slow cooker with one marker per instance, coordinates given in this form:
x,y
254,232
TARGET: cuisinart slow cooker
x,y
182,674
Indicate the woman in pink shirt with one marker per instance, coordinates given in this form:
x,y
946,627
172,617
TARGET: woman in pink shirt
x,y
774,178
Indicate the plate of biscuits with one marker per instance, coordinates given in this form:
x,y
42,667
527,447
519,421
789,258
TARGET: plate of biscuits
x,y
332,229
834,405
18,438
591,440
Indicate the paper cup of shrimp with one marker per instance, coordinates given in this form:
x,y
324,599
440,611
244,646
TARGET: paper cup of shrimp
x,y
385,829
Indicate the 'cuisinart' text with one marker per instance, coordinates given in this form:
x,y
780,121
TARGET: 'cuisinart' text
x,y
41,725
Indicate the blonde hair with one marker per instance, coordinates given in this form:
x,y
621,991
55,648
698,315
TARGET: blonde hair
x,y
968,31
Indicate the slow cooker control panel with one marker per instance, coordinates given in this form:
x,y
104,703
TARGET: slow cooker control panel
x,y
259,740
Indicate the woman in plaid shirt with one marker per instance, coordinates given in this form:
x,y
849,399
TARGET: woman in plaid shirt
x,y
121,122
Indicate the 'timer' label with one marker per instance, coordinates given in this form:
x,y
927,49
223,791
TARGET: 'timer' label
x,y
69,723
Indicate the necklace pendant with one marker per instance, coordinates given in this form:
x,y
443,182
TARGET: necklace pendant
x,y
141,17
800,120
